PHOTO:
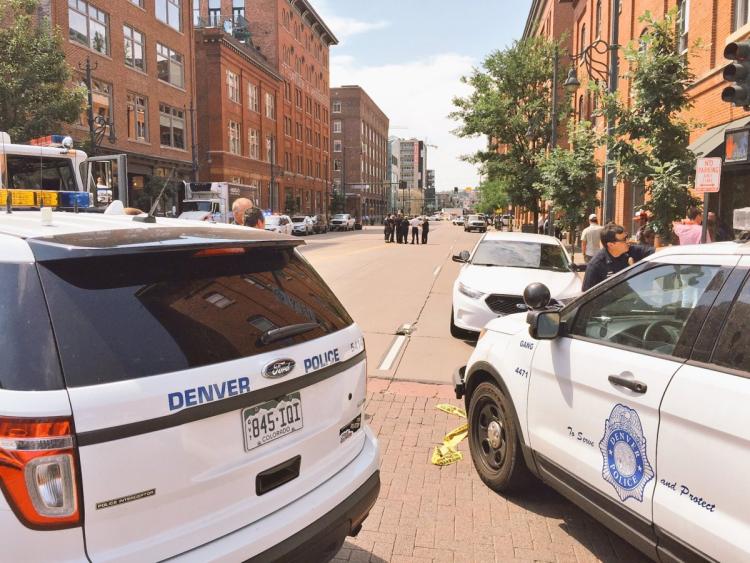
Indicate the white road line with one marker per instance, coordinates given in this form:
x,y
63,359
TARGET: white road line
x,y
387,362
436,271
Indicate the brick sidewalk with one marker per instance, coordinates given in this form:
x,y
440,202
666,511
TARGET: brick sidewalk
x,y
430,513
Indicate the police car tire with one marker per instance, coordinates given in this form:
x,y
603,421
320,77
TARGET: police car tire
x,y
502,469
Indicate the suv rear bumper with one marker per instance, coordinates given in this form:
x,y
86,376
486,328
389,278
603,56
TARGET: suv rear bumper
x,y
311,528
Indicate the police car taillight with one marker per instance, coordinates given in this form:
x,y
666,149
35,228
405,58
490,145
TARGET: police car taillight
x,y
38,471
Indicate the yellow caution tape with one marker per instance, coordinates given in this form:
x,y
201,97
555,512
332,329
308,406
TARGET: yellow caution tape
x,y
454,437
450,409
447,452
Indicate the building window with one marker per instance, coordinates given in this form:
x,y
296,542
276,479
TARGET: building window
x,y
683,23
235,146
336,165
233,86
238,10
137,118
270,106
298,96
253,141
299,131
171,127
337,126
598,19
582,44
170,66
101,96
336,107
88,26
252,97
287,91
134,48
741,12
168,12
138,3
269,149
336,145
288,126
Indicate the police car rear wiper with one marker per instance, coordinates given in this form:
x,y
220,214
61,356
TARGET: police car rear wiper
x,y
274,334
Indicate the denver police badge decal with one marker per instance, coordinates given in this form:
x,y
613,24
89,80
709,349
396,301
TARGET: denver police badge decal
x,y
623,447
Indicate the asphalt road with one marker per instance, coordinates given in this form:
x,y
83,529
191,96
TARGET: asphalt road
x,y
385,286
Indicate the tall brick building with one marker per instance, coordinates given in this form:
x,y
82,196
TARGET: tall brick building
x,y
141,53
711,23
359,145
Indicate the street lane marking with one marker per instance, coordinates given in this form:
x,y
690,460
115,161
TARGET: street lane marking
x,y
392,354
436,271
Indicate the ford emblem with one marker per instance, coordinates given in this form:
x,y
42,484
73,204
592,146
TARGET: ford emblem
x,y
278,368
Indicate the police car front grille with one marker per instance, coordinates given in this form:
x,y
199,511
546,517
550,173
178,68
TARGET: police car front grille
x,y
504,304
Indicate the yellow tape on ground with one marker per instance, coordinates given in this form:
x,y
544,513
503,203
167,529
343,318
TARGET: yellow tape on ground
x,y
447,452
450,409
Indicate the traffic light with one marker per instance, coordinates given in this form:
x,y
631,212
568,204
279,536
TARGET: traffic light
x,y
738,73
455,190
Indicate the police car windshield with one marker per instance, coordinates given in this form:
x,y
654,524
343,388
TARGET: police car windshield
x,y
519,254
272,220
142,314
30,172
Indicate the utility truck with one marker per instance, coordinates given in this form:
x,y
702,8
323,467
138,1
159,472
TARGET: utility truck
x,y
212,201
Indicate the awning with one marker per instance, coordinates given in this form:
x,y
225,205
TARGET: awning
x,y
712,140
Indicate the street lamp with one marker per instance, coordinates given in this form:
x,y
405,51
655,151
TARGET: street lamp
x,y
596,69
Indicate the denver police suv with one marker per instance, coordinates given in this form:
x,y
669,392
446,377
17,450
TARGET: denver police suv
x,y
632,401
174,390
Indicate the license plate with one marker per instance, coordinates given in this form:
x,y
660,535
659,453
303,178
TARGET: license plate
x,y
271,420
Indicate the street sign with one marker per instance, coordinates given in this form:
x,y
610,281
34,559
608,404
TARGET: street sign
x,y
707,175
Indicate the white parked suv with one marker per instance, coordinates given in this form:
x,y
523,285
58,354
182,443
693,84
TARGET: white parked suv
x,y
302,225
175,390
281,224
342,222
491,281
631,401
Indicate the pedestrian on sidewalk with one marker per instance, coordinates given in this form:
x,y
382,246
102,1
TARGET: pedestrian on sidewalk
x,y
388,230
425,230
404,230
591,239
414,229
689,231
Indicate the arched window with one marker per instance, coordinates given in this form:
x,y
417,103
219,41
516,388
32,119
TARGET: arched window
x,y
598,20
582,44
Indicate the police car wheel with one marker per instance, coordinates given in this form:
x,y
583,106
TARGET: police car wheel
x,y
493,440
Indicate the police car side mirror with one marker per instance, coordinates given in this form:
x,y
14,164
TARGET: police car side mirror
x,y
543,325
462,256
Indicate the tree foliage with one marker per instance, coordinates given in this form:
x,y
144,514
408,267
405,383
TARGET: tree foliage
x,y
510,104
567,177
650,142
493,195
35,95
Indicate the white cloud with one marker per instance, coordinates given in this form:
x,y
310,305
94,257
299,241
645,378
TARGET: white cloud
x,y
343,28
416,95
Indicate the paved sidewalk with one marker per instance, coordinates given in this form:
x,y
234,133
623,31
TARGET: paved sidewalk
x,y
429,513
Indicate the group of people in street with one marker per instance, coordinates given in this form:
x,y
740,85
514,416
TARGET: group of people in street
x,y
398,226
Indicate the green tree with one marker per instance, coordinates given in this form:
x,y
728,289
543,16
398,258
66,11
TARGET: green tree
x,y
35,92
144,199
651,136
510,104
492,196
568,176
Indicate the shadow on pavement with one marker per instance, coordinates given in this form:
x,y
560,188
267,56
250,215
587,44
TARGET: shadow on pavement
x,y
350,552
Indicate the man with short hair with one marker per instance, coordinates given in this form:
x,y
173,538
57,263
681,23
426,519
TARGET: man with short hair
x,y
615,255
689,231
240,205
415,222
591,238
254,218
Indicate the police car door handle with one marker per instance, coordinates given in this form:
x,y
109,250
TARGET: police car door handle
x,y
632,384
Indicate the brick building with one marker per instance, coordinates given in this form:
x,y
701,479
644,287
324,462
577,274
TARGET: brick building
x,y
706,27
359,147
141,54
236,97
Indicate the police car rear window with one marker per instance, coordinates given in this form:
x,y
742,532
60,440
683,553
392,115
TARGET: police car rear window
x,y
124,317
28,359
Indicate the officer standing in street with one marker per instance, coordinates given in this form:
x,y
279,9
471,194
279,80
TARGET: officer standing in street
x,y
425,230
615,255
414,230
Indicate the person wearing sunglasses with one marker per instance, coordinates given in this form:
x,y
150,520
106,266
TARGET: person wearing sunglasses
x,y
615,255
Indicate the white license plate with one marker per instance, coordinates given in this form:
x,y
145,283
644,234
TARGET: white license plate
x,y
271,420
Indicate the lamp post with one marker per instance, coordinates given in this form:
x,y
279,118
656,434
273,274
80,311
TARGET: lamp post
x,y
601,71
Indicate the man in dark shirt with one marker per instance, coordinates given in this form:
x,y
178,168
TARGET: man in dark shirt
x,y
614,256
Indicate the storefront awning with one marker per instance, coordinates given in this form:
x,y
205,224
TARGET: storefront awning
x,y
710,143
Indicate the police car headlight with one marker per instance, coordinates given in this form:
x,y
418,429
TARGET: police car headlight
x,y
468,292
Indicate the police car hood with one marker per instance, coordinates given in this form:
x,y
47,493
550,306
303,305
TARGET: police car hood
x,y
509,324
512,281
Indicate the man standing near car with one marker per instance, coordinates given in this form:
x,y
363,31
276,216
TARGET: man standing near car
x,y
414,229
590,238
616,255
254,218
425,230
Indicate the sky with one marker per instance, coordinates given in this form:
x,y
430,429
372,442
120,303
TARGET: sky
x,y
409,55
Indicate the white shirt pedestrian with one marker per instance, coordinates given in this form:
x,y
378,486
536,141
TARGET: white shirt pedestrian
x,y
591,241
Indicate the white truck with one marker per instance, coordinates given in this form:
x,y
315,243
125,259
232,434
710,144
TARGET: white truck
x,y
212,201
342,222
46,172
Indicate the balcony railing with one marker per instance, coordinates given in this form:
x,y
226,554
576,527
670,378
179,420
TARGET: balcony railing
x,y
235,25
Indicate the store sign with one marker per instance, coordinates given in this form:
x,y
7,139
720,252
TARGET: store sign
x,y
736,146
707,175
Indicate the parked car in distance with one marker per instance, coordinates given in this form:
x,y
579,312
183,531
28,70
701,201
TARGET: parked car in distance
x,y
494,275
320,224
631,401
281,224
458,221
342,222
475,223
302,225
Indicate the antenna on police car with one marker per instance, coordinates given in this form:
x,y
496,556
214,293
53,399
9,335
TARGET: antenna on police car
x,y
150,218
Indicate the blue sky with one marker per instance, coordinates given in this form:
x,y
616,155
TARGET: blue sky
x,y
409,56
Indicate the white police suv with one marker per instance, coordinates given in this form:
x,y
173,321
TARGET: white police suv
x,y
177,391
632,401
